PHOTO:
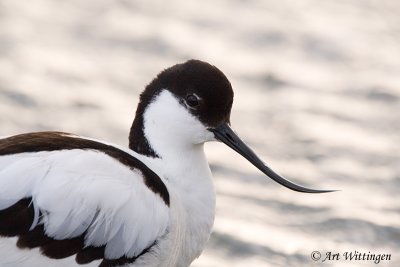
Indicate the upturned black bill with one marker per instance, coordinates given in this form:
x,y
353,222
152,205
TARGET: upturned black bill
x,y
225,134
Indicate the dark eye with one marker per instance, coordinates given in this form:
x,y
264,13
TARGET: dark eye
x,y
192,101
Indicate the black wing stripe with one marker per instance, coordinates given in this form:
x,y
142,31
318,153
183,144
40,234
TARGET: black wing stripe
x,y
34,238
16,221
52,141
59,249
90,254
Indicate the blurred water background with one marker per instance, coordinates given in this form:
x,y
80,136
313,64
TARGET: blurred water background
x,y
317,95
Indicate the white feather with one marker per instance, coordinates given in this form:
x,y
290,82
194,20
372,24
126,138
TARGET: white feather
x,y
80,191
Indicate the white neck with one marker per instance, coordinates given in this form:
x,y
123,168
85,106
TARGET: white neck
x,y
178,137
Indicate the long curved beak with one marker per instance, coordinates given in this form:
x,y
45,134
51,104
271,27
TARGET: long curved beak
x,y
225,134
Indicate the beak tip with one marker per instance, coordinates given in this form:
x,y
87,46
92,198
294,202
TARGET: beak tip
x,y
324,191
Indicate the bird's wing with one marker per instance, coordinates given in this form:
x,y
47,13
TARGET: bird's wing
x,y
74,196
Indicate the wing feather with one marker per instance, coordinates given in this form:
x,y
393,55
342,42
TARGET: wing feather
x,y
85,196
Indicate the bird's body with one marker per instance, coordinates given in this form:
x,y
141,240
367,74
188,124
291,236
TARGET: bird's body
x,y
58,168
115,185
71,201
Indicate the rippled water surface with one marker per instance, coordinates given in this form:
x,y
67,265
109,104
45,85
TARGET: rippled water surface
x,y
317,94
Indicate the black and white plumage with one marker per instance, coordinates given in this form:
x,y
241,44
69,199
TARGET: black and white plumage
x,y
71,201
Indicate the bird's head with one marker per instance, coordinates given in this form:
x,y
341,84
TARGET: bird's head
x,y
187,105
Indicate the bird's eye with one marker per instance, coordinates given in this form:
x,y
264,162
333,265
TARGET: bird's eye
x,y
192,101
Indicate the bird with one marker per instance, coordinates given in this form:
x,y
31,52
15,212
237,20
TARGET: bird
x,y
68,200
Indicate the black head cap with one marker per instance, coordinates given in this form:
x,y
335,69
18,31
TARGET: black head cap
x,y
200,86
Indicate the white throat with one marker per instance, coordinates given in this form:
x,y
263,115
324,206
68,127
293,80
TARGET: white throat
x,y
170,129
177,137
